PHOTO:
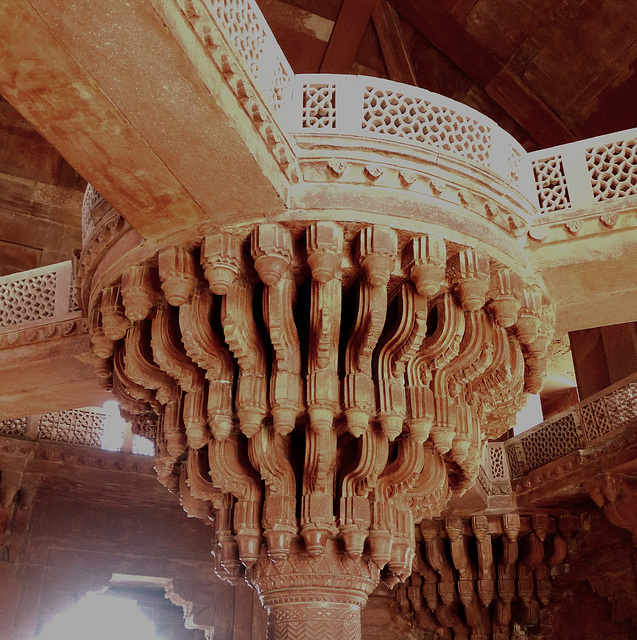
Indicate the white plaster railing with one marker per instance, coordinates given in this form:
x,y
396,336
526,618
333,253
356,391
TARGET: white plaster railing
x,y
568,179
85,427
38,296
247,33
585,174
573,429
387,110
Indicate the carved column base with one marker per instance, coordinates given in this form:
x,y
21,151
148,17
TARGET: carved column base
x,y
314,597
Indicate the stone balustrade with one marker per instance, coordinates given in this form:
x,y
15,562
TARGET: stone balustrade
x,y
577,428
582,175
30,299
569,178
86,426
380,109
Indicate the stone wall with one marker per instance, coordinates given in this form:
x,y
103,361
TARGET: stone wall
x,y
76,520
40,198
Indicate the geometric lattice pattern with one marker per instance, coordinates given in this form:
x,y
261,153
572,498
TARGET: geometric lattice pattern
x,y
515,454
613,169
496,455
319,106
13,427
281,83
241,26
581,425
609,412
30,299
550,184
595,419
397,115
554,440
75,426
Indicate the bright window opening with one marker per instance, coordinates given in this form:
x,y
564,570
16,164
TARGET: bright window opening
x,y
115,429
100,617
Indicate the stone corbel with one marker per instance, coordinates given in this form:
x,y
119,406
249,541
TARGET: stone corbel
x,y
114,321
468,271
430,492
102,346
212,355
354,513
377,253
617,496
446,585
325,254
272,253
506,570
228,565
195,507
231,472
435,352
461,561
176,266
504,294
140,367
399,348
267,450
391,531
221,259
140,291
169,355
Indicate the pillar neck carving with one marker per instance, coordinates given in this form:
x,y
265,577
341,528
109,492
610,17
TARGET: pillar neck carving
x,y
314,597
315,393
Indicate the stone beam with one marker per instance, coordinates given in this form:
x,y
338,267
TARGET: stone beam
x,y
48,374
591,279
346,36
120,100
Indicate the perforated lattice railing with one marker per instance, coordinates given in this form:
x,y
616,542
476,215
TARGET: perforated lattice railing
x,y
27,298
372,107
569,178
247,31
86,427
574,429
581,175
613,169
37,296
13,427
394,113
550,184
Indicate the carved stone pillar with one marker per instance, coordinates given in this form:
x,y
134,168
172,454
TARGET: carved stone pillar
x,y
315,391
315,598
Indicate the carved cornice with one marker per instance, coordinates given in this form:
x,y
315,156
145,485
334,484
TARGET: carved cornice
x,y
45,332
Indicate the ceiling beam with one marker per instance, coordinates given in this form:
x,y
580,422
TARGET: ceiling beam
x,y
392,44
477,62
347,35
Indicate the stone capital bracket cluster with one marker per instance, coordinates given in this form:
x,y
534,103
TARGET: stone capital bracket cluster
x,y
315,390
